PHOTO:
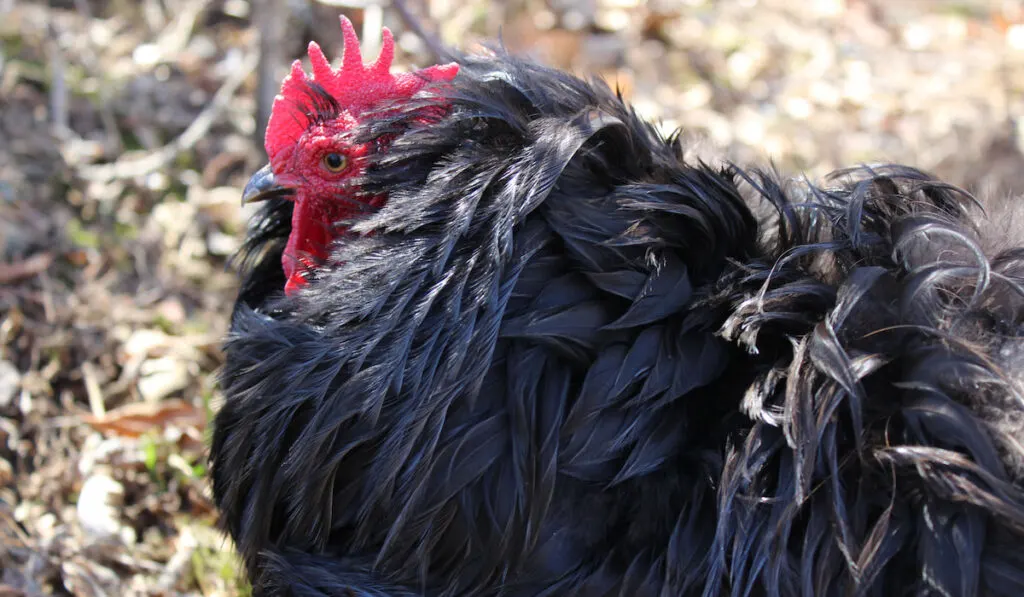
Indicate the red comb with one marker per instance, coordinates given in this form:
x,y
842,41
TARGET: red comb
x,y
354,86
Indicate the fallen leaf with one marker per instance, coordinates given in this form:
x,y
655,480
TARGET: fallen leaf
x,y
134,420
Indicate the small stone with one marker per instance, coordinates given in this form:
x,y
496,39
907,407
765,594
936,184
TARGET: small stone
x,y
173,220
743,66
146,55
236,8
696,95
97,506
545,20
684,32
857,88
161,378
749,126
97,450
647,109
824,94
574,20
956,28
917,36
145,342
725,35
1015,37
222,244
202,47
190,178
46,525
612,20
798,107
10,383
172,310
223,204
829,8
157,181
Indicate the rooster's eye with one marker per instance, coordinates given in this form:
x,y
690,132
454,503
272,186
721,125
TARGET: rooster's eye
x,y
335,162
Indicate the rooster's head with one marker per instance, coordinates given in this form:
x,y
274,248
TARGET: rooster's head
x,y
309,140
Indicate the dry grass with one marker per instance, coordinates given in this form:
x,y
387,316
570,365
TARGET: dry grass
x,y
126,133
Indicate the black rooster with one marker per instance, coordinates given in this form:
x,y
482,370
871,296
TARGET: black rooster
x,y
526,349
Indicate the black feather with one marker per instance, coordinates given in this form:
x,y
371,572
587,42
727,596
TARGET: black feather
x,y
567,362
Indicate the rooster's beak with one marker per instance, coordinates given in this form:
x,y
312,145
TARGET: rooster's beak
x,y
263,186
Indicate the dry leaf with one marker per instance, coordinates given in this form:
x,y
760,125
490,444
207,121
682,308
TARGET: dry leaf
x,y
134,420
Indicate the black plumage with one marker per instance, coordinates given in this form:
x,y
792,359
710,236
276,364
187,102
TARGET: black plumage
x,y
567,362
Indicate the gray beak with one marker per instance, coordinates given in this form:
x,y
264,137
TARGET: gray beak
x,y
263,186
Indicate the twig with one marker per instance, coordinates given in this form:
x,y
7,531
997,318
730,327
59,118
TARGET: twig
x,y
432,41
11,528
160,158
270,17
58,85
175,37
93,391
49,307
33,266
112,141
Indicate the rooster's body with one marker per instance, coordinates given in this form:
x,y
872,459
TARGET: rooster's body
x,y
550,357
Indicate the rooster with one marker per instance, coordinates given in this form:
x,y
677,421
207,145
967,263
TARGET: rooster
x,y
495,336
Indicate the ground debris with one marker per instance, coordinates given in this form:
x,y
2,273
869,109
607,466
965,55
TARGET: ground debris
x,y
128,131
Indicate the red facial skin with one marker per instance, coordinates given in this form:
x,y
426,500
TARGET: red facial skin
x,y
321,195
298,144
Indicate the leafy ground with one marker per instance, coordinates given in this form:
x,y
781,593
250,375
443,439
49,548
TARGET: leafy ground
x,y
127,130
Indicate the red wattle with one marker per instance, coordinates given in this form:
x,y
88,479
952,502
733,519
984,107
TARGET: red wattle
x,y
307,243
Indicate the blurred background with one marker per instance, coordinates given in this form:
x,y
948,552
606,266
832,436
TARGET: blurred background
x,y
127,129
